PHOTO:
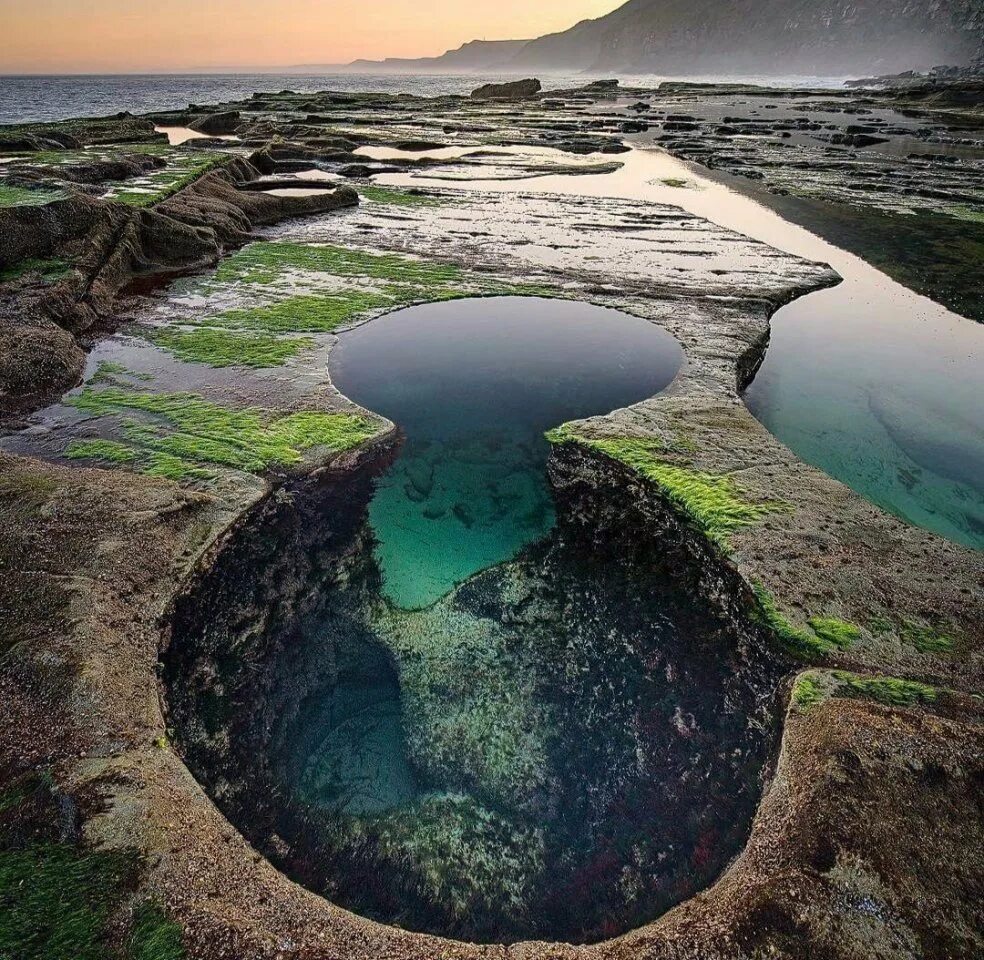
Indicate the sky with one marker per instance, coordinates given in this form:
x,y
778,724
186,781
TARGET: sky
x,y
93,36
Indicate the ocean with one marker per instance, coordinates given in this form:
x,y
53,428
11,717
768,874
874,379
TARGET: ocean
x,y
26,99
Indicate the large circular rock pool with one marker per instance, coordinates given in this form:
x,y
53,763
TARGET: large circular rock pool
x,y
423,693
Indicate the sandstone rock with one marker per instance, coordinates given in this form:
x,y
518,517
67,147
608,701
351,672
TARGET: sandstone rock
x,y
216,124
515,90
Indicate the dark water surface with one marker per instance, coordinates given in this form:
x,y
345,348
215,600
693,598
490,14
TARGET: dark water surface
x,y
474,384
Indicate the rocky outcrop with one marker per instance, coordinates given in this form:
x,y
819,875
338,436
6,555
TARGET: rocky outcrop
x,y
515,90
111,244
216,124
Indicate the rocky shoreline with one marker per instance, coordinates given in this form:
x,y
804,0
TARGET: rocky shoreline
x,y
209,409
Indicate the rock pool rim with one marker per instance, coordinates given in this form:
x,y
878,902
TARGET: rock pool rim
x,y
221,553
474,385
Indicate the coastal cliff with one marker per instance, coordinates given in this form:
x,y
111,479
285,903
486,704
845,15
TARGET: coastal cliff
x,y
829,37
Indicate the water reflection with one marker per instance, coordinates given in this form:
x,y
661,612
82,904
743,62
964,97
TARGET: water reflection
x,y
835,350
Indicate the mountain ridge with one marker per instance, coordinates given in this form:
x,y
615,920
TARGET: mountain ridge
x,y
687,37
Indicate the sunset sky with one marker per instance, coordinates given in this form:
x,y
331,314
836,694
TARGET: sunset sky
x,y
86,36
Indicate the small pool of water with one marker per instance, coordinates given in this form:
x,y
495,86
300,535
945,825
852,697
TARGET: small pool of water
x,y
474,384
872,383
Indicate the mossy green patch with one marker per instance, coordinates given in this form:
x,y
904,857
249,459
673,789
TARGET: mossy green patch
x,y
105,451
263,262
303,314
889,691
57,902
714,503
838,633
812,688
49,270
196,430
151,462
400,198
154,936
879,626
924,638
11,196
110,371
808,692
65,901
182,170
796,640
464,856
223,348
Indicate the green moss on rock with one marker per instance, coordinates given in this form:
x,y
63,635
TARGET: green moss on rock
x,y
889,691
838,633
49,270
187,429
808,691
303,314
263,263
224,348
11,196
66,901
468,858
714,503
400,198
924,638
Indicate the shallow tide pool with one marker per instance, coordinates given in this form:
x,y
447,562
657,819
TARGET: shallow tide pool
x,y
473,385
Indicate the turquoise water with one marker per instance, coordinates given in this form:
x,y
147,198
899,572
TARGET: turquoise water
x,y
473,384
874,384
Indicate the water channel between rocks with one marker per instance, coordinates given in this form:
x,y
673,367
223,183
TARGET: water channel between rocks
x,y
876,385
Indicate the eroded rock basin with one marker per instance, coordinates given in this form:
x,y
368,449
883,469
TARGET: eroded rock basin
x,y
561,746
474,385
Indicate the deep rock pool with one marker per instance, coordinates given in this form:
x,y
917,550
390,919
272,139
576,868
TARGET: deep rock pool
x,y
452,696
474,384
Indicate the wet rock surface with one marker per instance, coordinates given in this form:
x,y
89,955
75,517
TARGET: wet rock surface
x,y
211,416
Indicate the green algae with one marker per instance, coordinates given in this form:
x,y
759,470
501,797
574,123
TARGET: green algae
x,y
192,430
105,451
11,196
150,462
110,371
838,633
182,171
812,688
808,692
223,348
472,713
400,198
801,642
924,638
889,691
264,261
714,503
154,936
65,901
303,314
833,635
50,270
465,856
